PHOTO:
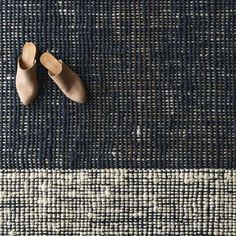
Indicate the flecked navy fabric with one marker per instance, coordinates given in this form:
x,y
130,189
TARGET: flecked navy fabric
x,y
160,76
153,151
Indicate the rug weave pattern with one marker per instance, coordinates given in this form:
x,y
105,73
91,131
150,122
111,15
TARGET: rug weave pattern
x,y
153,151
161,79
118,202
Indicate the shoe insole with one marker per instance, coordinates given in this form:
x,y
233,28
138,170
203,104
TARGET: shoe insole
x,y
51,63
28,55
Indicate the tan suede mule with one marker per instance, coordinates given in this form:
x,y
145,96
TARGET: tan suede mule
x,y
66,79
26,79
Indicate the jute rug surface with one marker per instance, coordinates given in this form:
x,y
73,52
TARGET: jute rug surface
x,y
153,151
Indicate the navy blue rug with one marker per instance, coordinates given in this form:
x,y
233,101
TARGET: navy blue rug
x,y
153,151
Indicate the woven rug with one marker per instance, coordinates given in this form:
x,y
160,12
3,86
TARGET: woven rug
x,y
153,151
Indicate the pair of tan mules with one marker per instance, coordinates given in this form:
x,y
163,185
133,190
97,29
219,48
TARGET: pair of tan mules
x,y
26,78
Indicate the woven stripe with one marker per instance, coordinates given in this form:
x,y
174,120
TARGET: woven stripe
x,y
118,202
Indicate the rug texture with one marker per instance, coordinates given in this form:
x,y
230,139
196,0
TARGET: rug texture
x,y
153,151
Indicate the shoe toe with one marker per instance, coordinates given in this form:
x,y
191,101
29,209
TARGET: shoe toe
x,y
27,95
